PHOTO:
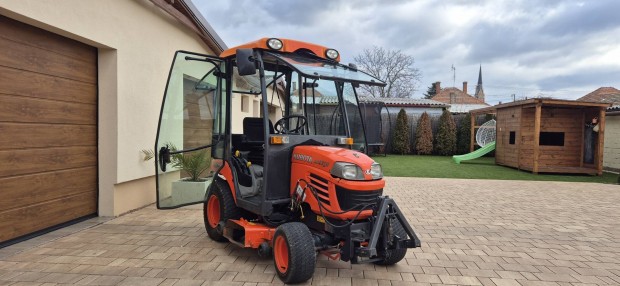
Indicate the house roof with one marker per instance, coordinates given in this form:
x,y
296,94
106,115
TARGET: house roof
x,y
542,101
446,95
186,13
614,110
403,102
603,94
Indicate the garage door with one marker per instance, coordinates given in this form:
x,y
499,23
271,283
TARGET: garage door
x,y
48,129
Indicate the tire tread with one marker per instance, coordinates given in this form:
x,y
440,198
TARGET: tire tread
x,y
228,208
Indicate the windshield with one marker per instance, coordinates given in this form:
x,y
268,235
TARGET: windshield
x,y
327,105
316,68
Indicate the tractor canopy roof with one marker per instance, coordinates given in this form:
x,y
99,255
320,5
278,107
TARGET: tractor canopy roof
x,y
285,46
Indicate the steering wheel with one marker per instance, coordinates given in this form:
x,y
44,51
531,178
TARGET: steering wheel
x,y
280,127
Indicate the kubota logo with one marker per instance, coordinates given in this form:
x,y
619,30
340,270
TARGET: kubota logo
x,y
302,157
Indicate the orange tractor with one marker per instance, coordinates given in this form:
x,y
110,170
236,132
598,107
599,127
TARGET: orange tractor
x,y
294,189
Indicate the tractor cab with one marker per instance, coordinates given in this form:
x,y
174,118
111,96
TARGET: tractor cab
x,y
289,93
269,137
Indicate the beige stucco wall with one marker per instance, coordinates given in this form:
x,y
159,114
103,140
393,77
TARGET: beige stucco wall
x,y
611,157
253,109
136,42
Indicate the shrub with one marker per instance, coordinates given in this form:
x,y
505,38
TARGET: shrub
x,y
464,135
400,142
445,141
424,136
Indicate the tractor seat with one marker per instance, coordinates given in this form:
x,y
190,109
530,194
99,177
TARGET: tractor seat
x,y
254,139
254,131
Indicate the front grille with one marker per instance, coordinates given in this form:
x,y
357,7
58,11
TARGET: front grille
x,y
356,200
321,186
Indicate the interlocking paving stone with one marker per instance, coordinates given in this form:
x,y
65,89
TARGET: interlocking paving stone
x,y
474,232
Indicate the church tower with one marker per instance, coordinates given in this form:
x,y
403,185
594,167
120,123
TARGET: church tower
x,y
479,91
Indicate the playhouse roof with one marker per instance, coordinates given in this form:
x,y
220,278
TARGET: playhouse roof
x,y
542,101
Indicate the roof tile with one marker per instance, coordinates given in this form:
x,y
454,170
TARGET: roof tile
x,y
460,97
603,94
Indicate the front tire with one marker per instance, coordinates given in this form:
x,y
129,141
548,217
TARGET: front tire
x,y
219,207
294,255
393,256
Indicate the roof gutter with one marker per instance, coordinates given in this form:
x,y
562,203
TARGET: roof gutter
x,y
193,19
204,25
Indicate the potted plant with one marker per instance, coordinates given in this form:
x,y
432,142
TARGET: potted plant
x,y
193,183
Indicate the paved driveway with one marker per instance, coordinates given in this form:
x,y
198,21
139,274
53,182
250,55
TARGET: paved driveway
x,y
474,232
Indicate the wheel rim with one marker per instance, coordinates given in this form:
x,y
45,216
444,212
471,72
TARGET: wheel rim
x,y
280,254
213,211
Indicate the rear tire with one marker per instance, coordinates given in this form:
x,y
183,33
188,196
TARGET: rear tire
x,y
294,255
393,256
219,207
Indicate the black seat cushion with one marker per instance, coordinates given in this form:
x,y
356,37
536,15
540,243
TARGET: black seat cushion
x,y
253,129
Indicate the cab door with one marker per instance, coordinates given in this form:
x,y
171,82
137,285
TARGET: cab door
x,y
190,136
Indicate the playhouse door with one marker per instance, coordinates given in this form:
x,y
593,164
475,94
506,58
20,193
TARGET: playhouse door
x,y
190,131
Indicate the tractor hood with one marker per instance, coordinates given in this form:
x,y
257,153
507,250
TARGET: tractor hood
x,y
324,158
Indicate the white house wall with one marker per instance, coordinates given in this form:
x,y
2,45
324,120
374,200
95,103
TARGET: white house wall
x,y
136,42
611,156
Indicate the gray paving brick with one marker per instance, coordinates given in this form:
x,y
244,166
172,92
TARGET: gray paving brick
x,y
473,231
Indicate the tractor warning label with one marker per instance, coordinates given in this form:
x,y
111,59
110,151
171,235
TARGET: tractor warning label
x,y
301,195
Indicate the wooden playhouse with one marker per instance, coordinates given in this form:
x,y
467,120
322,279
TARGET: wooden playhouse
x,y
548,135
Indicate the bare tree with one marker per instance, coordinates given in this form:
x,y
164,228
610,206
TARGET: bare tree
x,y
393,67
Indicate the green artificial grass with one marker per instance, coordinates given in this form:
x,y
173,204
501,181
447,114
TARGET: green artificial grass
x,y
481,168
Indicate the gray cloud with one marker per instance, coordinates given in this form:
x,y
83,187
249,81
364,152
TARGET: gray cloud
x,y
528,47
583,18
579,78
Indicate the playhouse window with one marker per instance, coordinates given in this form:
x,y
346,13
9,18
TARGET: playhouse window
x,y
551,139
512,138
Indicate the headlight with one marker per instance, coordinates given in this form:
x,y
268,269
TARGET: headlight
x,y
376,171
274,44
347,171
331,54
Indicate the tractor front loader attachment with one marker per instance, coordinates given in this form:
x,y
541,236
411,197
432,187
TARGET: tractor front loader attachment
x,y
382,239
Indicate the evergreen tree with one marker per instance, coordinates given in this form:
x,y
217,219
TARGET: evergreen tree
x,y
445,141
400,143
464,135
430,92
424,136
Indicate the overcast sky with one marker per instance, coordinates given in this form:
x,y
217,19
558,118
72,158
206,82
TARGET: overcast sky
x,y
555,48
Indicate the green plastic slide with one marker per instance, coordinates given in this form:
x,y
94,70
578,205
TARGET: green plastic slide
x,y
476,154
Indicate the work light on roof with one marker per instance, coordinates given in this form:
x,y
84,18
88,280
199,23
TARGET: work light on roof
x,y
274,44
331,54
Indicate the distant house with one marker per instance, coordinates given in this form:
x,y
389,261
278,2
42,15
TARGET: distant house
x,y
612,128
459,100
603,94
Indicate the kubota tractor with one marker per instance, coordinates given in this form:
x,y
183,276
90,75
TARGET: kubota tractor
x,y
293,189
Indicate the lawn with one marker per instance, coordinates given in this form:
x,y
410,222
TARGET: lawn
x,y
481,168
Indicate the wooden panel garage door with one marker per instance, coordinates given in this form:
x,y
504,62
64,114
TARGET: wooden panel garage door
x,y
48,129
